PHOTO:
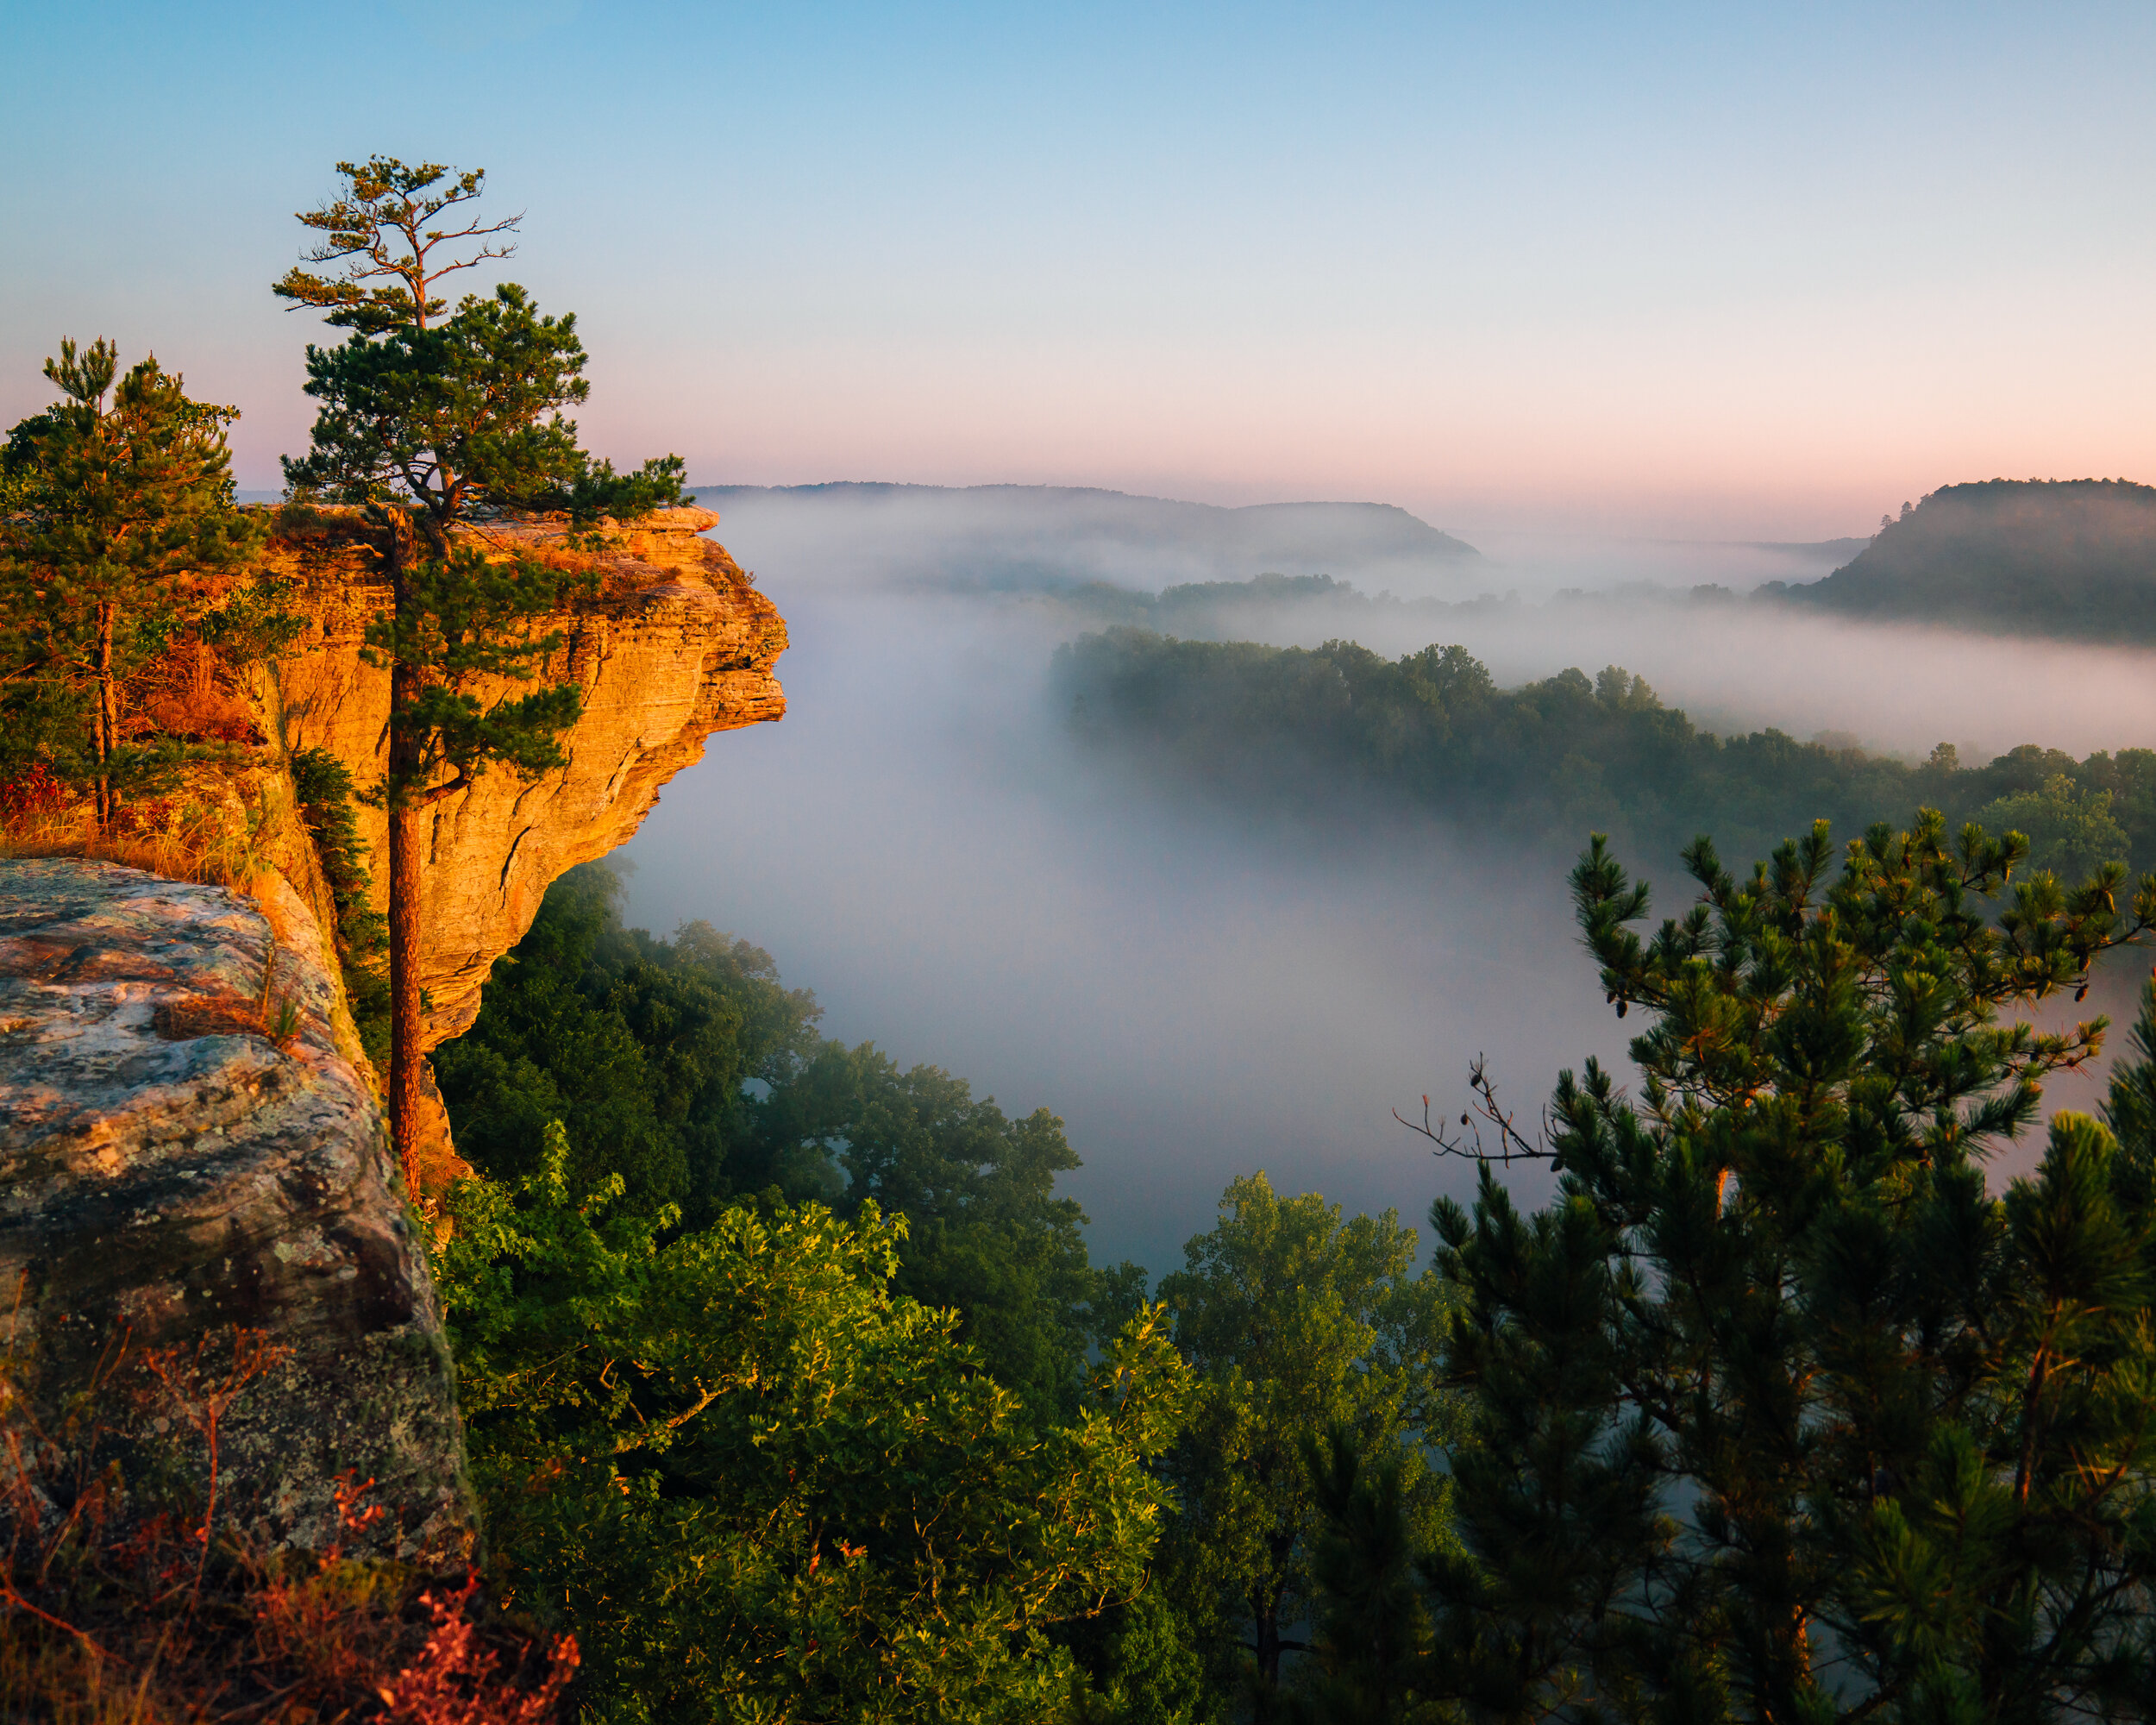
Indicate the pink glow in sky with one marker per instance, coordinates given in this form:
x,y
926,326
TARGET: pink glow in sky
x,y
1683,271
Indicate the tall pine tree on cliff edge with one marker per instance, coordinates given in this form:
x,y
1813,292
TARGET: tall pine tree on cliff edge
x,y
430,413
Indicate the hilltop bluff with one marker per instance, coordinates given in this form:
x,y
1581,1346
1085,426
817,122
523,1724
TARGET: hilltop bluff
x,y
192,1142
2074,559
677,644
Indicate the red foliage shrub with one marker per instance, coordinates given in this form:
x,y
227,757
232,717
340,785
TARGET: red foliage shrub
x,y
32,793
456,1680
182,1618
151,816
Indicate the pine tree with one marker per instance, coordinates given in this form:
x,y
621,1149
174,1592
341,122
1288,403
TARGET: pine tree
x,y
1778,1414
1370,1664
378,232
121,517
424,418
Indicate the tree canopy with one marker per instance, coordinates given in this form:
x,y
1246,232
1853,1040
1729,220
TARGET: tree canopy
x,y
443,413
1543,763
758,1481
1295,1321
378,232
1775,1411
122,532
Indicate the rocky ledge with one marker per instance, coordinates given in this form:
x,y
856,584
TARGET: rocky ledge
x,y
193,1178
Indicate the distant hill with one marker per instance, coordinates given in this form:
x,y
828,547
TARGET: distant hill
x,y
2067,557
1032,536
1838,550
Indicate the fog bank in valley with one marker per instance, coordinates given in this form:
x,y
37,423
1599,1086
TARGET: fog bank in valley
x,y
923,843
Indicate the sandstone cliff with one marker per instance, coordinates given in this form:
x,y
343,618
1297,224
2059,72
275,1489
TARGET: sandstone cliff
x,y
190,1144
676,645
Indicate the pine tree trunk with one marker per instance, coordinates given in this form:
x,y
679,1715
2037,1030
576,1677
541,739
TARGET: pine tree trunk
x,y
406,921
108,718
405,861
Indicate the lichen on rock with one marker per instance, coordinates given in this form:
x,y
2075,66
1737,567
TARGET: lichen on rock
x,y
185,1154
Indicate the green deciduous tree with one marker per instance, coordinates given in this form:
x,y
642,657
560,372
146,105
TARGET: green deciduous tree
x,y
2070,830
1295,1322
642,1048
121,529
423,418
1777,1413
759,1485
985,1232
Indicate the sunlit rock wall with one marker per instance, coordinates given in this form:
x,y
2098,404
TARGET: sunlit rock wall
x,y
675,644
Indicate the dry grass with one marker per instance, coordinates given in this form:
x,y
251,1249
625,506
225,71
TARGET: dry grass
x,y
180,837
276,1017
115,1611
192,701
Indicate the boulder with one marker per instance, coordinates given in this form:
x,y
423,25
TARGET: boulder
x,y
197,1199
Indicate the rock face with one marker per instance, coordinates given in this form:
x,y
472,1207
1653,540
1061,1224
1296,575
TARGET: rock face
x,y
194,1175
184,1155
674,644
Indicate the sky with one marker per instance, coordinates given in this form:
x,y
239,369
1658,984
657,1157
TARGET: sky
x,y
1750,272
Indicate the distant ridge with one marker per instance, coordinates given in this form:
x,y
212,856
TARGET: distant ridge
x,y
1032,536
2064,557
1838,550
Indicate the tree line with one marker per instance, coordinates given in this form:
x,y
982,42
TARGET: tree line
x,y
1552,759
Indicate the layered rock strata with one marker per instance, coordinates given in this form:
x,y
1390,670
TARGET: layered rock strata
x,y
673,643
188,1166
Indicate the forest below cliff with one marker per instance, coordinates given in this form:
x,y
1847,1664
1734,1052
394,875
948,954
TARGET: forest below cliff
x,y
1314,1482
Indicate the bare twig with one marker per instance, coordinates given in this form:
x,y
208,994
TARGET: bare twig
x,y
1513,1144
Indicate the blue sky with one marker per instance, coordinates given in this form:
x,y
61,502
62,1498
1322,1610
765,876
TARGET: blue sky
x,y
1756,270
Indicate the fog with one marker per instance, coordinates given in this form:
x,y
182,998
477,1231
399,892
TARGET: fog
x,y
1198,994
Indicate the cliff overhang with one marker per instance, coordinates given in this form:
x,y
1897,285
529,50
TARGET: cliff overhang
x,y
675,643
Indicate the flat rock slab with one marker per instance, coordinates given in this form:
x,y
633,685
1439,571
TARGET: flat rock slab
x,y
188,1167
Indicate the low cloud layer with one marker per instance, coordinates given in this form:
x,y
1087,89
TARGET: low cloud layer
x,y
921,842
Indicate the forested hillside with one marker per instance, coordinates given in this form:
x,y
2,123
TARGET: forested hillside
x,y
1554,760
2067,557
